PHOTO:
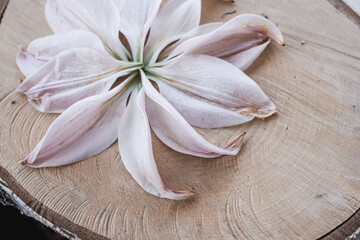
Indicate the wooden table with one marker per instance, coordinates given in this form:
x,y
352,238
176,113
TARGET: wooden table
x,y
297,176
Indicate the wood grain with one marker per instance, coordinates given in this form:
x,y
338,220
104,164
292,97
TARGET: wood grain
x,y
297,176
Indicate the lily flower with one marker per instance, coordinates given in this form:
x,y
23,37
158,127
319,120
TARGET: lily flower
x,y
113,68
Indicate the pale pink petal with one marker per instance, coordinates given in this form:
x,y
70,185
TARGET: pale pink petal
x,y
237,35
97,16
82,131
198,111
56,99
212,83
45,48
244,59
174,20
41,50
136,149
136,17
175,132
28,63
71,76
198,31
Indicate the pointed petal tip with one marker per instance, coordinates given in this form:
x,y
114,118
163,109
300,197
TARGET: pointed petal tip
x,y
242,136
28,162
23,162
261,112
23,53
235,142
27,62
280,41
264,113
180,195
20,55
276,36
263,25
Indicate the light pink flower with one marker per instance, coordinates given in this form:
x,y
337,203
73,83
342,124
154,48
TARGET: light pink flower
x,y
198,71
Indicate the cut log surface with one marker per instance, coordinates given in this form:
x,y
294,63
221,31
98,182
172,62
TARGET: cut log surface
x,y
296,177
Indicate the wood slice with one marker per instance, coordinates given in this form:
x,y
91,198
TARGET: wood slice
x,y
296,177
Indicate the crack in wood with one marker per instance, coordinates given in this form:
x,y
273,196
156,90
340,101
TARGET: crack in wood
x,y
3,5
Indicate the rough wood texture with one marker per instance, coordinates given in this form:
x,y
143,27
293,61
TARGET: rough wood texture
x,y
297,176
